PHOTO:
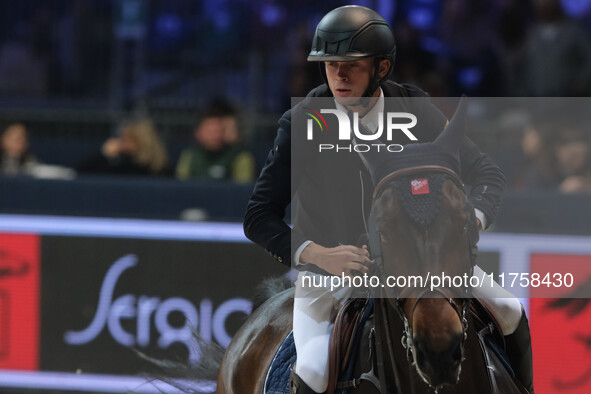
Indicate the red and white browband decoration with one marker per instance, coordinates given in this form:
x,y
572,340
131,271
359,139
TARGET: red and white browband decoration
x,y
420,186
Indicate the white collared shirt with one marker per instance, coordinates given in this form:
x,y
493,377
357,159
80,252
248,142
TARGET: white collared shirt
x,y
372,118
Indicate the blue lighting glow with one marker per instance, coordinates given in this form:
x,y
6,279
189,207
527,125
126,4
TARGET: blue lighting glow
x,y
129,228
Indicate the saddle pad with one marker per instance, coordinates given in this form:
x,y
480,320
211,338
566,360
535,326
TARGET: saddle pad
x,y
277,377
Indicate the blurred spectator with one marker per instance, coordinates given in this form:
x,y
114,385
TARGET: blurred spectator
x,y
303,75
22,72
414,63
218,152
473,62
538,169
83,48
138,150
574,164
555,159
557,55
513,24
15,157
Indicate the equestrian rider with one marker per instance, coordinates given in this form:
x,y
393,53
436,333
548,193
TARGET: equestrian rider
x,y
355,49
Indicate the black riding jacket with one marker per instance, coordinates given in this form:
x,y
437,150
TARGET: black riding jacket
x,y
334,190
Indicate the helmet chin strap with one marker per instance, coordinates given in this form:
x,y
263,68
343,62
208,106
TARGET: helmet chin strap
x,y
374,84
364,101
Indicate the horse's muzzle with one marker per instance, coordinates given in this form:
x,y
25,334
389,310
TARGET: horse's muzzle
x,y
438,368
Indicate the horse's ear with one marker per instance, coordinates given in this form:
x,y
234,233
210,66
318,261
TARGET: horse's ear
x,y
451,137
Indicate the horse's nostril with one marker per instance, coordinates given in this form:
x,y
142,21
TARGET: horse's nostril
x,y
422,357
421,351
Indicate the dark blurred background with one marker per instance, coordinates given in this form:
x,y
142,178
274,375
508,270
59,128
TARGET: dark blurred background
x,y
75,73
166,110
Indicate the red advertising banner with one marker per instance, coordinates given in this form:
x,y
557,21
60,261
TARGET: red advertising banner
x,y
561,328
19,301
104,293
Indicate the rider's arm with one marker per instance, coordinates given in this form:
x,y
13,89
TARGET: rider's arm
x,y
486,179
477,169
264,220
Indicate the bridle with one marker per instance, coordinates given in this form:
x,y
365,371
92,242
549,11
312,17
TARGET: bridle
x,y
397,301
407,335
415,170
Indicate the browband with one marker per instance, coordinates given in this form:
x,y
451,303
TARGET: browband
x,y
414,170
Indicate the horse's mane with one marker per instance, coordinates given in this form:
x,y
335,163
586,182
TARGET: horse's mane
x,y
212,354
268,288
181,374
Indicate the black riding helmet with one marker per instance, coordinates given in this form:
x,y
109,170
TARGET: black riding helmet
x,y
354,32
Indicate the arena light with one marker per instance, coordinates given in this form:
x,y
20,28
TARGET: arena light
x,y
129,228
96,383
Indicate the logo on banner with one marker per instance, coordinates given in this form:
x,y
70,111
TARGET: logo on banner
x,y
144,309
19,301
420,186
395,122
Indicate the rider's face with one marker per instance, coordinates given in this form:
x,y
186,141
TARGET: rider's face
x,y
348,80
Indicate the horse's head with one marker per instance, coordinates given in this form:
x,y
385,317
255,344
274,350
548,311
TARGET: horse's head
x,y
424,227
436,321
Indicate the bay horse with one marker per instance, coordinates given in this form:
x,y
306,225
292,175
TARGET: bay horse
x,y
419,341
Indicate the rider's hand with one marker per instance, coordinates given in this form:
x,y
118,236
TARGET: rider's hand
x,y
343,259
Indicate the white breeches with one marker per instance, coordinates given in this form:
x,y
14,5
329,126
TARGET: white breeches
x,y
315,308
504,306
